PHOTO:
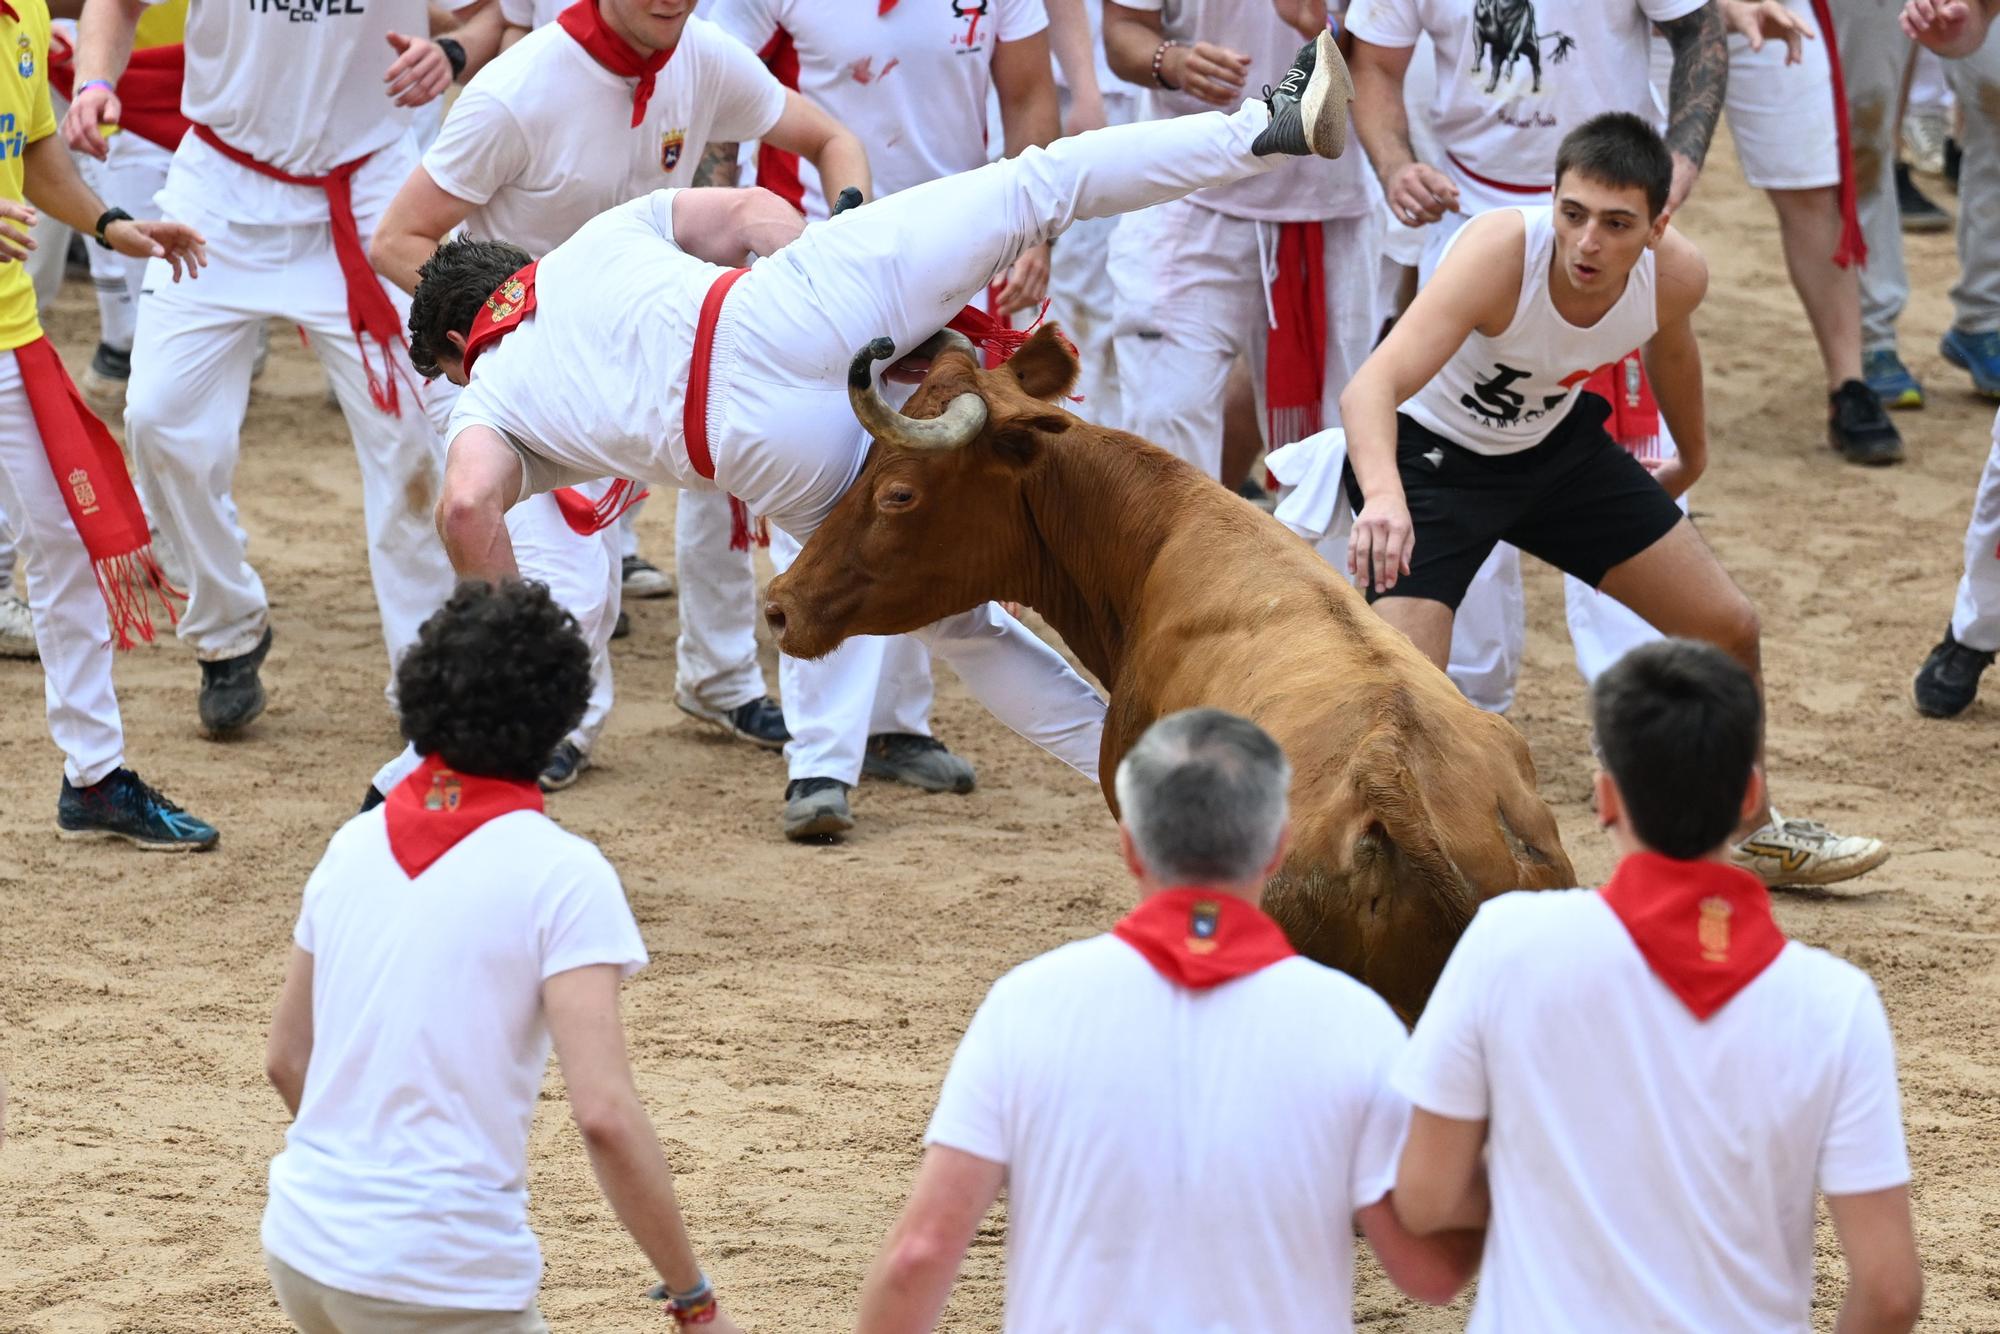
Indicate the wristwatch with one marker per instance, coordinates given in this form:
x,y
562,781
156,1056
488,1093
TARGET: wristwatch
x,y
109,216
454,51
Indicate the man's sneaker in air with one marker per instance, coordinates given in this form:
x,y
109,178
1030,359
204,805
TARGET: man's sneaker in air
x,y
121,805
1859,427
760,722
1309,105
1797,853
17,629
816,808
1915,208
1949,678
104,378
564,767
1977,354
643,579
1924,133
920,761
1891,380
231,694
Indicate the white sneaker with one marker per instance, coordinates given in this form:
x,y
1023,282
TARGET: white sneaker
x,y
17,629
1793,853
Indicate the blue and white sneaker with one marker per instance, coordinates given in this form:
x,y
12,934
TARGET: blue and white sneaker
x,y
1891,379
121,805
1977,354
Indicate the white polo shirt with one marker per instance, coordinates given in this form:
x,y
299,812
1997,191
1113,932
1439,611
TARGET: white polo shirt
x,y
1177,1160
1650,1170
405,1175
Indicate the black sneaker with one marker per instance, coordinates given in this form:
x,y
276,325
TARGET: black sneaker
x,y
643,579
120,805
760,722
1953,155
816,808
1949,678
109,369
231,694
622,627
1309,105
564,767
1859,427
921,761
1915,208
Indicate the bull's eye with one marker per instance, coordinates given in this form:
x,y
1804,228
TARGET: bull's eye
x,y
896,496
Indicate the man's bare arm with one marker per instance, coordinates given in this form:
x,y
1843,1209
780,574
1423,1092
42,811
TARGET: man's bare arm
x,y
1069,42
1885,1279
907,1286
1695,91
479,32
1441,1178
1031,116
482,481
103,49
417,221
809,130
1952,28
1673,361
728,226
1432,1269
288,1051
1418,192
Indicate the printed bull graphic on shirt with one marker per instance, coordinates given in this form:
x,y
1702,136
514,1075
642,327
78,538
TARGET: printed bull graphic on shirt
x,y
971,11
1506,31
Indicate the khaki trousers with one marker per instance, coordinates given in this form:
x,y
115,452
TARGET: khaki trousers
x,y
317,1309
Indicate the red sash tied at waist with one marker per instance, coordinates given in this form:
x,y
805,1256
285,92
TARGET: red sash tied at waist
x,y
694,414
369,311
1503,187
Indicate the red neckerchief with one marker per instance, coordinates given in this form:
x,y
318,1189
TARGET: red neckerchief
x,y
431,810
1200,939
1295,355
1704,928
8,9
97,490
582,21
1635,413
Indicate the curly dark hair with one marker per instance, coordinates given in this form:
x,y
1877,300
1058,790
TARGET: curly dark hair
x,y
498,676
451,287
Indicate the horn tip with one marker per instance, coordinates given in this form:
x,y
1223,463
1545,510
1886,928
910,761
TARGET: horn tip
x,y
861,371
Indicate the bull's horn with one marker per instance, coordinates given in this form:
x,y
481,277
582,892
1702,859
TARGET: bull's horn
x,y
962,420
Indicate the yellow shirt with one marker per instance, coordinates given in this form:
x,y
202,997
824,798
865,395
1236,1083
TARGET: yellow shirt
x,y
26,115
163,24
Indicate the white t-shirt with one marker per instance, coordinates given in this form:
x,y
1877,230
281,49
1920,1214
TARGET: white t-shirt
x,y
579,382
911,84
1177,1160
1307,189
1593,59
1650,1170
533,14
542,138
405,1175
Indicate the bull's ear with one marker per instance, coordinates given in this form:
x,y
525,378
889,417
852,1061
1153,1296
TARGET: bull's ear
x,y
1019,439
1046,366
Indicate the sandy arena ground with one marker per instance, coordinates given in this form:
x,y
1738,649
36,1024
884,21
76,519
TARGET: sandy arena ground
x,y
803,1002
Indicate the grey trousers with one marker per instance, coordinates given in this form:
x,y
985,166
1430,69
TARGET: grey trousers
x,y
317,1309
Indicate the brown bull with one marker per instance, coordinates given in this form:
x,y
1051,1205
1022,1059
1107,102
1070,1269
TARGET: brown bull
x,y
1409,805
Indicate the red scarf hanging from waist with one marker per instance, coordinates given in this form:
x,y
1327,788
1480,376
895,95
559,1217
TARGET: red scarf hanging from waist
x,y
1853,247
98,491
1295,351
582,21
1635,414
149,92
1198,938
370,313
1704,928
427,814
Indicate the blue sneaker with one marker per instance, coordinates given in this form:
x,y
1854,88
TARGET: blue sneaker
x,y
1891,379
1978,354
121,805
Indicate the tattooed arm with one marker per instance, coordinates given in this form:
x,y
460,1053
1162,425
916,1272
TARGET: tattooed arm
x,y
717,166
1694,91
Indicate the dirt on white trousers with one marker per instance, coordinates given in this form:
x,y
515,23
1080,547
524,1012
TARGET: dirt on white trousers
x,y
1975,613
184,407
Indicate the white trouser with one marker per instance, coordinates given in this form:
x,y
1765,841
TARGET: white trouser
x,y
715,658
184,408
870,684
1874,55
7,548
1975,616
131,174
788,444
1081,299
71,625
1193,293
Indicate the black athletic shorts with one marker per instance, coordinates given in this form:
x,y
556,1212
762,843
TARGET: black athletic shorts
x,y
1576,500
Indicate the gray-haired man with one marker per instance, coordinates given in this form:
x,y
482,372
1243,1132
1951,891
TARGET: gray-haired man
x,y
1190,1119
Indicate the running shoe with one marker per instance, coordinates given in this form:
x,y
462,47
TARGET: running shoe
x,y
122,805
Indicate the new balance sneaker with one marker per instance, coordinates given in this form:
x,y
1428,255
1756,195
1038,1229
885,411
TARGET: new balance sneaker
x,y
1309,105
564,767
920,761
1977,354
1915,208
1858,426
121,805
104,378
1796,853
1891,380
17,629
1949,679
643,579
816,808
760,722
232,695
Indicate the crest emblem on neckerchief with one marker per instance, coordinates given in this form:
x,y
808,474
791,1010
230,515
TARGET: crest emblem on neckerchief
x,y
1713,929
445,793
1203,918
508,299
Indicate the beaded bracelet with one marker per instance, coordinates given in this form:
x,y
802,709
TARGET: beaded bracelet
x,y
697,1310
88,84
1159,58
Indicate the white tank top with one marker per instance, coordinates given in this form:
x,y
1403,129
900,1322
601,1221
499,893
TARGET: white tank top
x,y
1503,395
